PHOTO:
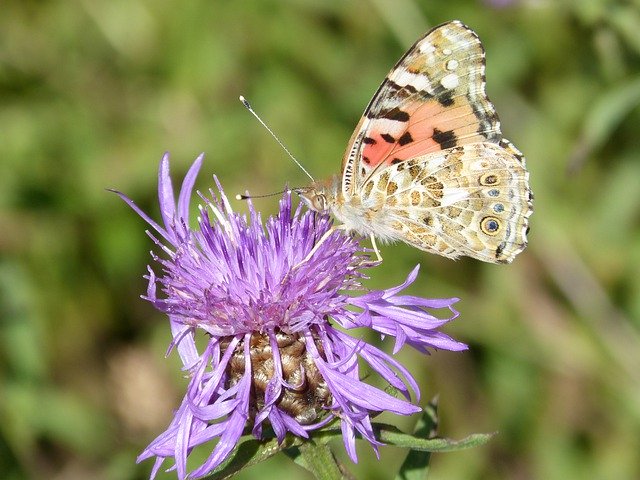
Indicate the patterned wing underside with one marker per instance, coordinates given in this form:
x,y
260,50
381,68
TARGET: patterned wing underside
x,y
433,99
471,200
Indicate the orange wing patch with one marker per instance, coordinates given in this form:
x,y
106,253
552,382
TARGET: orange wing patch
x,y
431,127
433,99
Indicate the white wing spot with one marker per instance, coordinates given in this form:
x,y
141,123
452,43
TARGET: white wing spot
x,y
446,51
391,127
449,81
426,47
452,65
453,195
437,161
417,81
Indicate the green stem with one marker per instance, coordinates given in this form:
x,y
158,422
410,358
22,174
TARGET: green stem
x,y
320,461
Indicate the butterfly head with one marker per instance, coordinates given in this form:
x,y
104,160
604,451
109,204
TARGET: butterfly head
x,y
319,196
314,197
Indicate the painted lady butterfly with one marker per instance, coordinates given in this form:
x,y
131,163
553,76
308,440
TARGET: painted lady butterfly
x,y
427,163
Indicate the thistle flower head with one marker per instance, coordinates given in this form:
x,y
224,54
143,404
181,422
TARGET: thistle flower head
x,y
276,319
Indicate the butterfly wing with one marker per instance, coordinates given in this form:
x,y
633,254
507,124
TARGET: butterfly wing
x,y
433,99
427,163
471,200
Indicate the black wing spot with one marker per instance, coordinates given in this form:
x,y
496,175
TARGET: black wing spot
x,y
395,160
395,114
445,98
446,139
388,138
393,85
369,141
405,138
487,122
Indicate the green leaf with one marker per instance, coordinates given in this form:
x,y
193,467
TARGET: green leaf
x,y
416,465
390,435
251,452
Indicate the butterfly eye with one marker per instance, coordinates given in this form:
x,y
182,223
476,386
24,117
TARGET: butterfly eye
x,y
320,202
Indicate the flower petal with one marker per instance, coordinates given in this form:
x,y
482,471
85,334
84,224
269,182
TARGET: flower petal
x,y
165,196
184,198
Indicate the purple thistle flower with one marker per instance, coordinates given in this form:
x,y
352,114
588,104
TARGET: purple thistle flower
x,y
274,353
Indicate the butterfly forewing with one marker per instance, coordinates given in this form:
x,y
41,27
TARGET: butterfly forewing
x,y
434,98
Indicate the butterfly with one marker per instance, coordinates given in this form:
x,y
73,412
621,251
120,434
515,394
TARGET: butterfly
x,y
427,163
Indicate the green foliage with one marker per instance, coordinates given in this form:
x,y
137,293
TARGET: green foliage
x,y
315,455
92,94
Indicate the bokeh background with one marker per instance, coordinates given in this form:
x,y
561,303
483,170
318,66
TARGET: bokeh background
x,y
92,93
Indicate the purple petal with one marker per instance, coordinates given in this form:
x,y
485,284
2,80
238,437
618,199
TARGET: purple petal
x,y
365,396
187,188
144,216
165,194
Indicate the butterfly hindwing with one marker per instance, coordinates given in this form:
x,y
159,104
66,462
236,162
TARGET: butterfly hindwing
x,y
469,200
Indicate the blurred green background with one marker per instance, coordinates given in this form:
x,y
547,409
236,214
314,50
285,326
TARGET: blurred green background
x,y
92,93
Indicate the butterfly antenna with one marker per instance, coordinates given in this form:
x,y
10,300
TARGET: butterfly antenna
x,y
248,107
247,197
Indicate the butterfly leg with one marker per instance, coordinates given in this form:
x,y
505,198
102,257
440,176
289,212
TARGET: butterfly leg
x,y
375,248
